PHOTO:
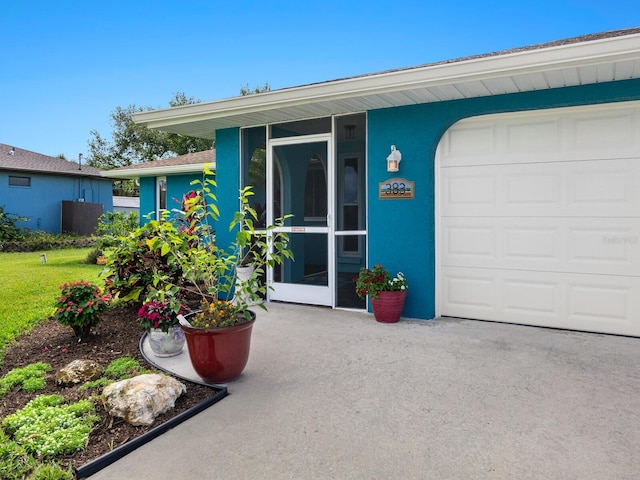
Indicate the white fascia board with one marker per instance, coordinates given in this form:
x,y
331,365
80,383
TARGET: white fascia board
x,y
157,171
484,68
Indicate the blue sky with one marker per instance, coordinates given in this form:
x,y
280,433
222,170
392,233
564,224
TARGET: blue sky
x,y
66,65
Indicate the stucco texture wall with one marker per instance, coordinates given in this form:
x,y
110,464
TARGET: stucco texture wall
x,y
401,233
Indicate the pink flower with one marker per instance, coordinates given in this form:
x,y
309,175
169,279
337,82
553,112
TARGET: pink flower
x,y
68,309
80,309
89,303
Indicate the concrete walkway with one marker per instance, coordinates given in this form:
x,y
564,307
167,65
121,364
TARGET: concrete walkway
x,y
334,395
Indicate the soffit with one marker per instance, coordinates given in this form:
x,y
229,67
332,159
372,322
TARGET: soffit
x,y
560,65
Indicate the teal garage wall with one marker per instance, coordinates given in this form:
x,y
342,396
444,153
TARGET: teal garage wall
x,y
402,232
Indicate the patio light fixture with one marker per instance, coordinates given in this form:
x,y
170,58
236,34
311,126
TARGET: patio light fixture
x,y
393,160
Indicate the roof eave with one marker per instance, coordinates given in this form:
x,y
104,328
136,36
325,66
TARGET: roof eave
x,y
523,62
157,171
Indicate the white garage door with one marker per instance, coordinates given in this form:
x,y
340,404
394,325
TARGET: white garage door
x,y
539,219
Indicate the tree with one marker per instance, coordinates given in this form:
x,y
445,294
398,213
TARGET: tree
x,y
134,143
247,90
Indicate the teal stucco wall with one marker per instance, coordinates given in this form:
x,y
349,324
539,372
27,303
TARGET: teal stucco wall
x,y
228,182
401,233
147,198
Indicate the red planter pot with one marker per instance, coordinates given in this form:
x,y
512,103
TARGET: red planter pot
x,y
387,308
219,355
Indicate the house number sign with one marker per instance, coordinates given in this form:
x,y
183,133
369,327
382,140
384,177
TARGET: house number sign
x,y
396,189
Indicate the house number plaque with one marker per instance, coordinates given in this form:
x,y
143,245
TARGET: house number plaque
x,y
396,189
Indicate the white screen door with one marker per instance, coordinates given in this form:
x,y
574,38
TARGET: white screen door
x,y
299,173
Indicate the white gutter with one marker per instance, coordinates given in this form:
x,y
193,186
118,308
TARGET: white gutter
x,y
519,63
157,171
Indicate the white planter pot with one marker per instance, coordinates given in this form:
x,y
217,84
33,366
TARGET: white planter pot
x,y
243,275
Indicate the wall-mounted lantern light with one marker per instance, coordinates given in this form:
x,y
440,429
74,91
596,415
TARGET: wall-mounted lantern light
x,y
393,160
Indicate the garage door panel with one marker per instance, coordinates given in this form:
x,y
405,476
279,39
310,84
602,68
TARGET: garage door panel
x,y
573,134
572,301
604,246
564,189
608,190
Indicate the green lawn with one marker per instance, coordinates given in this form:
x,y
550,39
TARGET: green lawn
x,y
28,288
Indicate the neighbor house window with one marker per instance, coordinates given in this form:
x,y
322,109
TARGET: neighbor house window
x,y
15,181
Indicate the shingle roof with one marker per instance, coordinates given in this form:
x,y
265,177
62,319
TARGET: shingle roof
x,y
196,158
539,46
12,158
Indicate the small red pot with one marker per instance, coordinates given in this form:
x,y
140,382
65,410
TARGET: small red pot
x,y
219,355
387,308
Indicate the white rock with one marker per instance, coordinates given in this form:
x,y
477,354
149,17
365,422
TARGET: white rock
x,y
139,400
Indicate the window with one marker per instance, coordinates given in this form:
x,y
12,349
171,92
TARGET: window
x,y
15,181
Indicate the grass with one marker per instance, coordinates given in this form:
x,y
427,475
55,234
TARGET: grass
x,y
29,288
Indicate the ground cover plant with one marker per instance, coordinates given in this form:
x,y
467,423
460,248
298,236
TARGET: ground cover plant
x,y
31,359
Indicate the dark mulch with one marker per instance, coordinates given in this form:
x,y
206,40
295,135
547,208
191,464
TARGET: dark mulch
x,y
117,335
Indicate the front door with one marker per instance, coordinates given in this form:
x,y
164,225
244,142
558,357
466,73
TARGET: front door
x,y
299,173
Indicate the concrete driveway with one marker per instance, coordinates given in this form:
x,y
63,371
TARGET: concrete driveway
x,y
334,395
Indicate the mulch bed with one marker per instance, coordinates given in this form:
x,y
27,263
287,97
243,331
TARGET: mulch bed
x,y
117,335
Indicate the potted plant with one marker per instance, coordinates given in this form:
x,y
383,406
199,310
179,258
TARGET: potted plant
x,y
79,306
219,333
387,294
159,318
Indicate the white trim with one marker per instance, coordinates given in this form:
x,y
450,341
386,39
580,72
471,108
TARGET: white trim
x,y
291,292
155,171
436,227
157,182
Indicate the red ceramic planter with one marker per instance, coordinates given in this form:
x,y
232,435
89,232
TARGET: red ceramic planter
x,y
387,308
219,355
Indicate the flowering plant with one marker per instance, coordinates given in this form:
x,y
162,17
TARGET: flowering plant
x,y
79,306
208,271
221,313
378,279
161,314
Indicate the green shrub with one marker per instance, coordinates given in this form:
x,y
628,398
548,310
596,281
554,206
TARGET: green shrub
x,y
8,229
79,306
51,471
92,256
30,378
112,225
120,369
47,427
15,461
35,241
136,266
124,367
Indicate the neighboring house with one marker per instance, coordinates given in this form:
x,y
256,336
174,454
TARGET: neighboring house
x,y
41,188
163,182
518,192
